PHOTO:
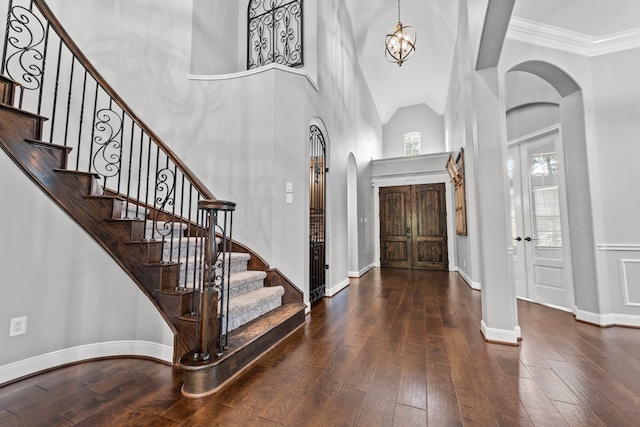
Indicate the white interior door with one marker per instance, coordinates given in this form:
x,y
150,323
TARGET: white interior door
x,y
540,255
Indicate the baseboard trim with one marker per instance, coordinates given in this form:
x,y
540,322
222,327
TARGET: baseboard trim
x,y
473,285
330,292
500,336
362,272
608,319
47,361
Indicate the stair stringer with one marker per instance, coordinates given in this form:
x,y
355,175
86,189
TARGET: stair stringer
x,y
71,191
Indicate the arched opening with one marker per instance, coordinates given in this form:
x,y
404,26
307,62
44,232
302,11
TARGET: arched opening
x,y
352,215
317,214
545,123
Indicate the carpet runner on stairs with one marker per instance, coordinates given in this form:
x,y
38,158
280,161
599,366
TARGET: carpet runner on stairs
x,y
249,298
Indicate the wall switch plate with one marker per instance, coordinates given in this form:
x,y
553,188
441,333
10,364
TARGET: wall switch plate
x,y
18,326
289,187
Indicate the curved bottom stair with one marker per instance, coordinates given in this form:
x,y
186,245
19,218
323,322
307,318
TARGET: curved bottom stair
x,y
246,344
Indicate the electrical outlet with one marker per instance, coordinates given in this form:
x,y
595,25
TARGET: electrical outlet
x,y
18,326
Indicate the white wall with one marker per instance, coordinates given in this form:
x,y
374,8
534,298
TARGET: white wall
x,y
214,48
460,133
415,118
78,301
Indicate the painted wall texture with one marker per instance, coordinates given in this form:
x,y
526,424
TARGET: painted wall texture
x,y
70,289
415,118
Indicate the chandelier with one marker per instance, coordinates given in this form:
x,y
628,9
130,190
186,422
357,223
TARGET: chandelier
x,y
401,43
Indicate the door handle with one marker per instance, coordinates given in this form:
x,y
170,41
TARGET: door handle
x,y
518,239
408,231
528,239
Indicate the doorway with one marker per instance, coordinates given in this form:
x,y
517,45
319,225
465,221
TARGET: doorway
x,y
413,227
317,227
540,257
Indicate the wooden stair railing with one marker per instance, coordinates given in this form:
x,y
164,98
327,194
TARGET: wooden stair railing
x,y
105,167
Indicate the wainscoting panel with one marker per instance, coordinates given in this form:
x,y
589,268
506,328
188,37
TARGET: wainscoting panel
x,y
630,269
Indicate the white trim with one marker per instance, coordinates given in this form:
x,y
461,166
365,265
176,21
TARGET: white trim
x,y
473,285
609,319
362,272
39,363
555,307
625,282
534,135
618,247
247,73
500,335
571,41
330,292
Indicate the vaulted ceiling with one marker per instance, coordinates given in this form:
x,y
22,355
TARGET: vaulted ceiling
x,y
425,77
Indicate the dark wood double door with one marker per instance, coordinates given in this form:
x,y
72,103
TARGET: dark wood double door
x,y
413,227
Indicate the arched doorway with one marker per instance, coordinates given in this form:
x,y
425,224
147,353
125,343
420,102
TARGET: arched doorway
x,y
531,117
317,214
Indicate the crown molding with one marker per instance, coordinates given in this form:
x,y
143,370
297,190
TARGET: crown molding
x,y
570,41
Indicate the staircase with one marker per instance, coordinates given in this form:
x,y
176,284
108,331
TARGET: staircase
x,y
128,190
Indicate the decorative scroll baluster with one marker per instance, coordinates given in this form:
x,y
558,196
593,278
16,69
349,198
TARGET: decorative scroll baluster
x,y
274,33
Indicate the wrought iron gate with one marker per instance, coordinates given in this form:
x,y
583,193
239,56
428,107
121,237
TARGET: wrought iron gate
x,y
317,227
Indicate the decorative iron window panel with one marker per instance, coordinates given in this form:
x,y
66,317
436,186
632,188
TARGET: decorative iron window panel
x,y
274,33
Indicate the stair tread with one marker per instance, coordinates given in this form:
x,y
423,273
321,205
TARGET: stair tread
x,y
247,300
48,144
246,276
264,323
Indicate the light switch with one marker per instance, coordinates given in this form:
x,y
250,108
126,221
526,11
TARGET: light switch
x,y
289,187
289,198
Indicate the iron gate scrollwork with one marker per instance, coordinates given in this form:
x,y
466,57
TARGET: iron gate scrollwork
x,y
274,33
317,226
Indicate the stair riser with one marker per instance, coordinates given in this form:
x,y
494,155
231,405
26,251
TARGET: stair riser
x,y
159,230
237,266
176,303
162,276
20,124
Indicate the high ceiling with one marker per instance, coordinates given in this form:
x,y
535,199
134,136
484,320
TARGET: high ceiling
x,y
425,77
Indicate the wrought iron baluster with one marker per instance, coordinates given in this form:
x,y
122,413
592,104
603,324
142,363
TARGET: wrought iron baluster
x,y
93,128
146,187
129,167
55,92
66,124
140,175
84,92
44,68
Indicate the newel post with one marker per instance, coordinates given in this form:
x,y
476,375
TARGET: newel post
x,y
213,304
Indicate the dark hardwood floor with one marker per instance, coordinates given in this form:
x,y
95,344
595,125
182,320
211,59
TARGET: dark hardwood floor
x,y
397,347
